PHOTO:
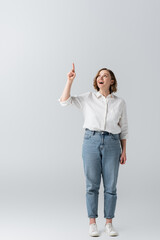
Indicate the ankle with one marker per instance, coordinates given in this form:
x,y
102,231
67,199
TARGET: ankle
x,y
92,220
108,220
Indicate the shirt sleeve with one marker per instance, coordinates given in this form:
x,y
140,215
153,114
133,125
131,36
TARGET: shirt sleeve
x,y
76,100
123,123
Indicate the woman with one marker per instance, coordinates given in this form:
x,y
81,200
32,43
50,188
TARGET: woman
x,y
104,143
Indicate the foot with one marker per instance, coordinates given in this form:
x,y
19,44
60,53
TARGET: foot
x,y
93,231
110,229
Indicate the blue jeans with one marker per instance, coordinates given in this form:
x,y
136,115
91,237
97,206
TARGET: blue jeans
x,y
101,153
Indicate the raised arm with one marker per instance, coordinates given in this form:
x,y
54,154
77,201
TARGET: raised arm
x,y
76,100
70,77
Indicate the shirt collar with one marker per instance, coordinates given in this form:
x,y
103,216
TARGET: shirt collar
x,y
98,94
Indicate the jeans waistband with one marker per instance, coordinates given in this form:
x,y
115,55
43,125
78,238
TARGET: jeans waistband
x,y
101,132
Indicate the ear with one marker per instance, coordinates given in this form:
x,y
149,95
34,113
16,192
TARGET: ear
x,y
112,81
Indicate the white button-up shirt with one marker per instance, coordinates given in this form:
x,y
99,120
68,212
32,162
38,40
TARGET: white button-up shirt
x,y
101,113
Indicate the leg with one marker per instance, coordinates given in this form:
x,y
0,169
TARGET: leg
x,y
110,166
92,169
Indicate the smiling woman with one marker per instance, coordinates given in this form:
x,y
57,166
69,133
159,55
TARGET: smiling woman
x,y
106,131
105,74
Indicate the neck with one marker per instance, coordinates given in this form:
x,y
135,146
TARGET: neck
x,y
104,92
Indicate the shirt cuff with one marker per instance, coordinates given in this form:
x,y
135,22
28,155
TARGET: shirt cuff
x,y
124,136
66,102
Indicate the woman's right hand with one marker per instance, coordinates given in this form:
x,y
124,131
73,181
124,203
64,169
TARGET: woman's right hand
x,y
71,75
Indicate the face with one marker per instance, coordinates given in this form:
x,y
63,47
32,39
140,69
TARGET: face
x,y
104,80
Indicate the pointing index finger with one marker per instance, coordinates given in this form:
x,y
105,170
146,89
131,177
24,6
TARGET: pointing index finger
x,y
73,67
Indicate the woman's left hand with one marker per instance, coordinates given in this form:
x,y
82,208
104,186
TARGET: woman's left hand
x,y
123,158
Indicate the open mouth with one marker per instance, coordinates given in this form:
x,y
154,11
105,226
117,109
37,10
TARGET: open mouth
x,y
101,82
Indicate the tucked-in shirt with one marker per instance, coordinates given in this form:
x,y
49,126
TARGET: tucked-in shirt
x,y
101,113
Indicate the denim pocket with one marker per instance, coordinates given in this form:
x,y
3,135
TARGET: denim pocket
x,y
115,136
87,135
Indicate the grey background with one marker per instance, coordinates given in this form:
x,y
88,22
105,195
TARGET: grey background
x,y
42,185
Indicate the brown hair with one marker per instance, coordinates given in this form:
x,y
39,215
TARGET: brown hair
x,y
113,88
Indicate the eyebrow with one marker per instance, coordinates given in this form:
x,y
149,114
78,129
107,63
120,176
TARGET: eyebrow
x,y
103,74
